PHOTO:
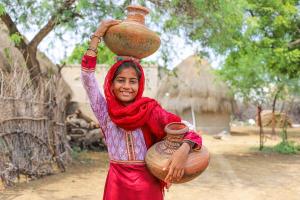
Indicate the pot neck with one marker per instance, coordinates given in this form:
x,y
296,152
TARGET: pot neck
x,y
136,14
136,17
175,137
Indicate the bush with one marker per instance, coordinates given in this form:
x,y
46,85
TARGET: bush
x,y
287,147
284,147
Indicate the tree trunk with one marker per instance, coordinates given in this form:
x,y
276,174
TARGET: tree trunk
x,y
28,53
261,131
273,114
33,66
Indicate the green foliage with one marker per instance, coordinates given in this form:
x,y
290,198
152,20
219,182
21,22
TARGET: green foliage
x,y
2,9
105,56
242,30
212,23
287,147
284,147
82,17
16,38
261,58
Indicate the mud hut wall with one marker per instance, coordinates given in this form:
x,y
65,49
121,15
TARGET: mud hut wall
x,y
208,122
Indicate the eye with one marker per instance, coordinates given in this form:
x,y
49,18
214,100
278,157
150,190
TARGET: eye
x,y
133,81
120,80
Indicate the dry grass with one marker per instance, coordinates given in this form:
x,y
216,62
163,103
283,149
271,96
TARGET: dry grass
x,y
32,130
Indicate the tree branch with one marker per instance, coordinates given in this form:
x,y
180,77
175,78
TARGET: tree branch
x,y
12,29
294,43
43,33
31,63
50,24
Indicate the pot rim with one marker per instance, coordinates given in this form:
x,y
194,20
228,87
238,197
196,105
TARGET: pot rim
x,y
137,7
176,131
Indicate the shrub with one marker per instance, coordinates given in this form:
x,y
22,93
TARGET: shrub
x,y
287,147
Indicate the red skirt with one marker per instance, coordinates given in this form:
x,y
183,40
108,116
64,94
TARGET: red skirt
x,y
131,181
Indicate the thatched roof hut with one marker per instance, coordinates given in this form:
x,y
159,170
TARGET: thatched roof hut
x,y
32,119
193,92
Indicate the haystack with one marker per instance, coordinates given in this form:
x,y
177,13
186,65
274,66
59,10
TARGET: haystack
x,y
193,92
280,119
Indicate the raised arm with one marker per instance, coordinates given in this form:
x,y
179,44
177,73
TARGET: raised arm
x,y
88,65
91,87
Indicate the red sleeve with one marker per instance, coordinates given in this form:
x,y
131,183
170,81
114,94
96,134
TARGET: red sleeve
x,y
158,120
88,63
194,137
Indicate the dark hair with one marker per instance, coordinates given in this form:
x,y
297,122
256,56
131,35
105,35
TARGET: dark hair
x,y
126,65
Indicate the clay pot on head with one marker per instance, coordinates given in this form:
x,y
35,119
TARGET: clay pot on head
x,y
158,155
131,37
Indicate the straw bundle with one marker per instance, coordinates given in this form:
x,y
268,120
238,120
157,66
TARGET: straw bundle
x,y
280,119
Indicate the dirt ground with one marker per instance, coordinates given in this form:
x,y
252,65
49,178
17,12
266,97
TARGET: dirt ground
x,y
236,171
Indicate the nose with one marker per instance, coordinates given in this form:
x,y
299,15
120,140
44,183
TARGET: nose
x,y
126,85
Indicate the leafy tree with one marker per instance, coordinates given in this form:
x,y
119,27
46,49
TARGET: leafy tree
x,y
260,40
80,16
44,17
269,42
238,28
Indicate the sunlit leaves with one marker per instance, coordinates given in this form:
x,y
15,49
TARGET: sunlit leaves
x,y
16,38
83,4
105,56
2,9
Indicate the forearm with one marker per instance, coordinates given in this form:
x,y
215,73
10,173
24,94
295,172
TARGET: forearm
x,y
193,137
93,45
99,33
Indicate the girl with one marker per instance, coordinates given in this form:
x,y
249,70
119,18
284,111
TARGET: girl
x,y
131,124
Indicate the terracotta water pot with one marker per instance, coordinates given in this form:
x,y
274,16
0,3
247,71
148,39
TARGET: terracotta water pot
x,y
158,155
131,37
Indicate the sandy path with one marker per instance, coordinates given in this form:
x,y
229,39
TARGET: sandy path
x,y
236,172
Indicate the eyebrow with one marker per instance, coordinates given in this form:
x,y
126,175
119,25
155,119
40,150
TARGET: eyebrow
x,y
124,77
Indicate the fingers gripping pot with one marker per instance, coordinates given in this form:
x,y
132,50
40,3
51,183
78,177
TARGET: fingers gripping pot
x,y
158,155
131,37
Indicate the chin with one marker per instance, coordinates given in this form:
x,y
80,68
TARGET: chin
x,y
126,100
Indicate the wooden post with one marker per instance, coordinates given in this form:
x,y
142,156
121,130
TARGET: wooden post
x,y
261,131
193,116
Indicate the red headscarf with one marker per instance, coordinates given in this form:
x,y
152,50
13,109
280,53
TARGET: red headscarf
x,y
143,113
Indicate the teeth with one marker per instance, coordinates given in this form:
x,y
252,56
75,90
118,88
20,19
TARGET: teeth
x,y
125,93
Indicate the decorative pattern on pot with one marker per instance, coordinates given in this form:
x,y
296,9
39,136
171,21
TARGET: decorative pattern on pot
x,y
158,155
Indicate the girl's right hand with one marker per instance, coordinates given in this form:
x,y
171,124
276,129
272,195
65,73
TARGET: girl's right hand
x,y
104,26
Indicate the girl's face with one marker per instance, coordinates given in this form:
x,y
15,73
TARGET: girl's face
x,y
125,85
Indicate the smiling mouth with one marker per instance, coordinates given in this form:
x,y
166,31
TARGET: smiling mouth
x,y
126,93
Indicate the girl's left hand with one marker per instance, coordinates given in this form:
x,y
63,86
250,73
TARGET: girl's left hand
x,y
176,163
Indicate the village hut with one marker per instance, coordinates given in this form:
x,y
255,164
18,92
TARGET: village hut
x,y
192,91
32,120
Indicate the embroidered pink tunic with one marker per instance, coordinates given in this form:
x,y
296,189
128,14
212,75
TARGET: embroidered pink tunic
x,y
122,145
